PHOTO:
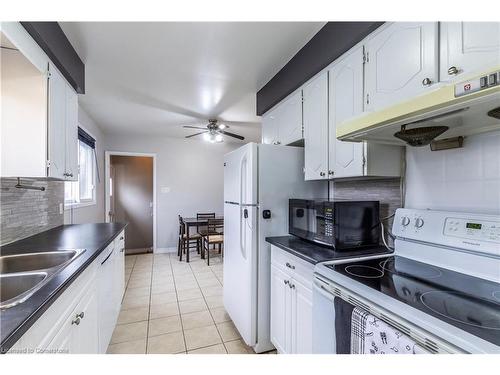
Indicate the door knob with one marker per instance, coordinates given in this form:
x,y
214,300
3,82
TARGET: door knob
x,y
452,70
426,82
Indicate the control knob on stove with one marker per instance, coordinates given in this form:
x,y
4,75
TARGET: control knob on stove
x,y
419,222
405,220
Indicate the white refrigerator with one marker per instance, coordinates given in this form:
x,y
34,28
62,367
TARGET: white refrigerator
x,y
258,181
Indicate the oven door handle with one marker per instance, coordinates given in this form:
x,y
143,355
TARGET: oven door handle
x,y
320,287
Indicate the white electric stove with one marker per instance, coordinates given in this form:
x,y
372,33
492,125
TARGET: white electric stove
x,y
441,286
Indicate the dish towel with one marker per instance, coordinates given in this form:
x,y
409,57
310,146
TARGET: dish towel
x,y
370,335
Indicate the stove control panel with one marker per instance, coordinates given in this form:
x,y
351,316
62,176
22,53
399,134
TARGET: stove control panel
x,y
476,232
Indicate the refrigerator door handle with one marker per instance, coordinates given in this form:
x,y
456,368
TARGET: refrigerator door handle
x,y
243,165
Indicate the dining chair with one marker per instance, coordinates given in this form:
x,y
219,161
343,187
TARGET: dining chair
x,y
202,229
182,245
214,236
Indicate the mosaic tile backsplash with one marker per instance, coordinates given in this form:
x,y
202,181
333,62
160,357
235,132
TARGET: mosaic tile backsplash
x,y
24,213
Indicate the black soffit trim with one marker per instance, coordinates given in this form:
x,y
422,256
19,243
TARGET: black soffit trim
x,y
329,43
51,38
86,138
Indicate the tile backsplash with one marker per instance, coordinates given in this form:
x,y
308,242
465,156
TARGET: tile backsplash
x,y
24,213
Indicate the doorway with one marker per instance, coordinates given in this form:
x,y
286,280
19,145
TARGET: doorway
x,y
130,198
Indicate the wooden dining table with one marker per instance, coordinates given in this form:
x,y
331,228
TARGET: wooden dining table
x,y
190,222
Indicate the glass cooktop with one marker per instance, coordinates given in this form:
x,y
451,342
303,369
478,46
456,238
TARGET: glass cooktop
x,y
466,302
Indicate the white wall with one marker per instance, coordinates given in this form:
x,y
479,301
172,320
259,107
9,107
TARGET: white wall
x,y
193,172
466,179
94,213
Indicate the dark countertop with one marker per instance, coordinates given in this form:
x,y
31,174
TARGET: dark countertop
x,y
94,238
314,253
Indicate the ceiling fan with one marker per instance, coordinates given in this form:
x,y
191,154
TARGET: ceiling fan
x,y
213,132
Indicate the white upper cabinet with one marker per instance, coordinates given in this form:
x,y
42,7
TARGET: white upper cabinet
x,y
71,146
346,101
270,127
290,119
282,125
57,123
402,62
468,47
315,94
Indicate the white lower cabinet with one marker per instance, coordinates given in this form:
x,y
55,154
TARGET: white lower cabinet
x,y
83,317
291,303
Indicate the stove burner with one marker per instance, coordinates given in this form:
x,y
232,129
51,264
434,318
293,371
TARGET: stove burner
x,y
462,308
364,271
400,266
496,295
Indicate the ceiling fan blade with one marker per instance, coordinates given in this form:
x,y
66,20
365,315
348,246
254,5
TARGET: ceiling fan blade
x,y
231,134
195,134
193,127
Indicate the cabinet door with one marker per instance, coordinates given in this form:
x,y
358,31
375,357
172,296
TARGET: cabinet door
x,y
290,119
346,101
316,128
57,124
280,310
402,62
301,318
71,134
87,331
468,47
270,127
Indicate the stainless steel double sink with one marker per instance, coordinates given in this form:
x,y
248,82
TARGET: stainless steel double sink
x,y
21,275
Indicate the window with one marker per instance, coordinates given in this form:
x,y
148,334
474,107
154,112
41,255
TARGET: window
x,y
82,192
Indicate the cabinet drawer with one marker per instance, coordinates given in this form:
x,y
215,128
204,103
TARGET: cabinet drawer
x,y
293,266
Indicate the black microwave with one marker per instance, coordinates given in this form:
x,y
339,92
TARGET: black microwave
x,y
341,224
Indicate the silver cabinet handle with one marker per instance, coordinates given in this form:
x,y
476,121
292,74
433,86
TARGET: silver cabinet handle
x,y
121,238
66,174
286,282
276,143
331,173
81,315
76,321
452,70
122,250
290,266
292,286
322,174
426,82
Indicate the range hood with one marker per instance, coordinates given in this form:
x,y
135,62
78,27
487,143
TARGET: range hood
x,y
465,108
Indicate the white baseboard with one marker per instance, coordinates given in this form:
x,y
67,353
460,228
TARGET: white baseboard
x,y
165,250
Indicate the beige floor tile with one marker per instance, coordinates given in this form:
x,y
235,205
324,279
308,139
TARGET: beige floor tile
x,y
166,344
186,285
210,291
184,295
201,337
129,347
184,279
162,288
208,282
238,347
160,298
214,301
133,302
214,349
196,320
220,315
139,275
192,305
129,332
164,325
138,283
228,331
138,292
137,314
163,310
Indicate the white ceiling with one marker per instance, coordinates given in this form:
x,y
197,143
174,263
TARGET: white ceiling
x,y
152,78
